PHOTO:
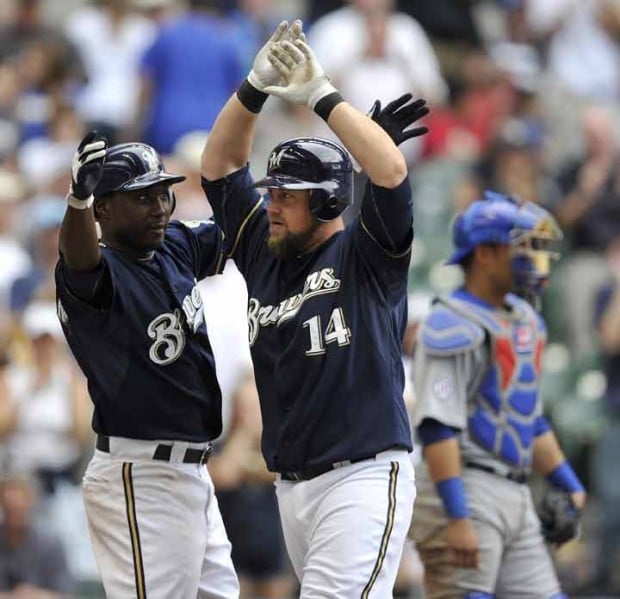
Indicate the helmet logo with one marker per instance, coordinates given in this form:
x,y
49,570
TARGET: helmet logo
x,y
275,159
151,160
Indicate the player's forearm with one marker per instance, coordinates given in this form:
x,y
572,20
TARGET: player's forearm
x,y
230,140
443,459
550,461
370,145
78,241
547,454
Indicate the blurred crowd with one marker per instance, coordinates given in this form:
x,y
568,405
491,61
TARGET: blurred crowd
x,y
524,98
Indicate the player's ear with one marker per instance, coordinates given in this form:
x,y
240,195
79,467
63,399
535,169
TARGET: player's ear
x,y
101,209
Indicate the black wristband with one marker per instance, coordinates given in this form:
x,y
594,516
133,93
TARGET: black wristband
x,y
250,97
326,104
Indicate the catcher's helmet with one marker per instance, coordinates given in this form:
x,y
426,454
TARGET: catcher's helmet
x,y
316,164
490,220
132,166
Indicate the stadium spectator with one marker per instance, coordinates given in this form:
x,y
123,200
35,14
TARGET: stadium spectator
x,y
32,560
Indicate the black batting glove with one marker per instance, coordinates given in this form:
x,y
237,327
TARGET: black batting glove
x,y
398,115
87,167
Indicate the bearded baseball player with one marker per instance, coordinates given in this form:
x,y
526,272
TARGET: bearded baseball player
x,y
133,317
327,311
477,371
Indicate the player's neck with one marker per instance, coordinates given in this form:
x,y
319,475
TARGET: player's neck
x,y
485,291
323,233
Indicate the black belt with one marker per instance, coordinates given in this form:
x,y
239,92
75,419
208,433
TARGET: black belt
x,y
517,477
314,471
163,451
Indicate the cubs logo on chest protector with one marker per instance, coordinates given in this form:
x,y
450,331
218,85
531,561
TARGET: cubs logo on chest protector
x,y
503,411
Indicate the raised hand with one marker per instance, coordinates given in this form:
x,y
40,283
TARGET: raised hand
x,y
304,78
87,167
263,73
398,115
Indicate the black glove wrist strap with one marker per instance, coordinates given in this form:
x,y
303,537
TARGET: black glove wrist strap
x,y
326,104
250,97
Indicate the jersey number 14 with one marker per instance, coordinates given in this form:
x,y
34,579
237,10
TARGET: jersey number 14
x,y
335,332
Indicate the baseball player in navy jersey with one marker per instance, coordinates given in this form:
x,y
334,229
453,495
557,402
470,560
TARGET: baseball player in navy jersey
x,y
132,314
327,311
477,371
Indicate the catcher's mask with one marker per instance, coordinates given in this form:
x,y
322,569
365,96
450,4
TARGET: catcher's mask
x,y
132,166
535,244
319,165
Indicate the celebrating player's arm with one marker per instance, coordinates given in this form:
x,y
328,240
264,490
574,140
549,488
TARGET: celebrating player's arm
x,y
79,244
372,140
230,139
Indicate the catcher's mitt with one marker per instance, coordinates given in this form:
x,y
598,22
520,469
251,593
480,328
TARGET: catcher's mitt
x,y
559,517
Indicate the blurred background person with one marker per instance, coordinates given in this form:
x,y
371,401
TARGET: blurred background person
x,y
110,37
588,209
33,564
37,284
45,430
13,256
607,318
248,503
187,74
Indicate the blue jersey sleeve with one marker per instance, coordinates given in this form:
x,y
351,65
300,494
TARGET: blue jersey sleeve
x,y
201,242
238,209
384,233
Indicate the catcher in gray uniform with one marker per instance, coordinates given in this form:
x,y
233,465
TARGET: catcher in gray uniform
x,y
477,371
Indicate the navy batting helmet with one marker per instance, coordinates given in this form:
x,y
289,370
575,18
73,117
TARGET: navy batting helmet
x,y
132,166
316,164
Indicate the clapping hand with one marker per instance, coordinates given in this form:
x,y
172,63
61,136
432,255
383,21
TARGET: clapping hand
x,y
398,115
263,74
305,81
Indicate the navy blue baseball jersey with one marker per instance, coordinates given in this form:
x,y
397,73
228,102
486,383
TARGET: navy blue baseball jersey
x,y
142,341
325,330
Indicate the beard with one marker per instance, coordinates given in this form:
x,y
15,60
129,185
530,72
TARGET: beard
x,y
292,244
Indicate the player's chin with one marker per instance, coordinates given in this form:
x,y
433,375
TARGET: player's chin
x,y
277,245
153,239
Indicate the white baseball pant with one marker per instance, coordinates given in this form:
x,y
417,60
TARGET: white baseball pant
x,y
155,526
345,529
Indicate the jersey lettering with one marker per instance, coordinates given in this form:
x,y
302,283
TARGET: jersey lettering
x,y
193,309
317,283
62,313
167,330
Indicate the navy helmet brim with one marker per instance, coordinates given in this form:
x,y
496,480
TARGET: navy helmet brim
x,y
150,179
282,182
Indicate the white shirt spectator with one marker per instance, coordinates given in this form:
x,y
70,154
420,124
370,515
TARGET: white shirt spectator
x,y
581,53
111,55
407,46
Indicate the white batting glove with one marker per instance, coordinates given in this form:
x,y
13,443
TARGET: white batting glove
x,y
87,170
263,74
305,80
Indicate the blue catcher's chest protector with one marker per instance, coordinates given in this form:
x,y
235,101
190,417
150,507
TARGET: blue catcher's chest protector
x,y
502,414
